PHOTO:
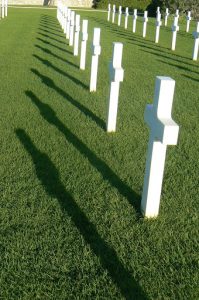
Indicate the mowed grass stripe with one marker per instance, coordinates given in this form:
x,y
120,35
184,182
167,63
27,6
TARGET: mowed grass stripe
x,y
70,193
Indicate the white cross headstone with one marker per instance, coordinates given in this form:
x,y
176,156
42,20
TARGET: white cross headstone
x,y
68,24
72,24
58,4
119,15
96,51
62,16
175,29
6,8
109,12
2,9
196,43
134,20
177,13
158,24
126,18
145,20
113,14
158,11
65,18
116,76
164,132
76,38
166,16
188,21
83,44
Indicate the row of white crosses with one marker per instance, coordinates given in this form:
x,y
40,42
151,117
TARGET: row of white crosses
x,y
4,9
158,24
188,17
164,131
70,23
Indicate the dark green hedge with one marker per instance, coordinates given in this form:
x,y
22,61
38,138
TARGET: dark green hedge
x,y
141,5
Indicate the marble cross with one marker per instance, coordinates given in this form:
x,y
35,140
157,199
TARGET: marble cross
x,y
83,44
126,18
177,13
96,51
175,29
2,9
76,38
134,20
109,12
145,20
65,18
116,76
158,24
119,15
164,132
113,14
188,17
72,24
68,24
196,43
166,17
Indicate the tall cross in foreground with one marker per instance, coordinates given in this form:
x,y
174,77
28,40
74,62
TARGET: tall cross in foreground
x,y
164,132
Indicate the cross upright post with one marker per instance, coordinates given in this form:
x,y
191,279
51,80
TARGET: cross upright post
x,y
188,20
177,13
158,24
157,11
83,44
6,8
119,15
65,18
145,20
175,29
164,132
109,12
196,43
134,20
76,39
116,75
126,18
2,9
72,24
96,51
68,24
113,14
166,17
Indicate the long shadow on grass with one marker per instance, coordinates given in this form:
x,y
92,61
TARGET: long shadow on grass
x,y
49,176
51,38
50,83
50,116
50,32
175,59
47,51
191,78
54,46
50,25
50,65
135,39
178,66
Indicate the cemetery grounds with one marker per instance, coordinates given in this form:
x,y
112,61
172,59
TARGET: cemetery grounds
x,y
70,221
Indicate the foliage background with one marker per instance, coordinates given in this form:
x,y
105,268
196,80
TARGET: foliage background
x,y
151,5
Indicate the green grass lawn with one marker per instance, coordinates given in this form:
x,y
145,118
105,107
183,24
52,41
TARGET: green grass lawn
x,y
70,224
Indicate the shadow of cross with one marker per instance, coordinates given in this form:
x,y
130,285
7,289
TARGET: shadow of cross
x,y
50,116
50,83
53,186
50,65
47,51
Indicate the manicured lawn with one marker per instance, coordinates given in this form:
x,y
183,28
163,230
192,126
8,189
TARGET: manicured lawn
x,y
70,224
